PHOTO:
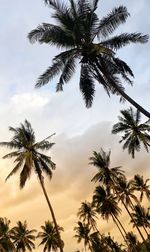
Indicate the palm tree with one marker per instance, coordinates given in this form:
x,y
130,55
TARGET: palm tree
x,y
141,217
86,40
138,184
134,132
23,237
6,245
97,243
49,237
28,158
132,241
107,206
83,233
124,192
106,175
87,214
115,247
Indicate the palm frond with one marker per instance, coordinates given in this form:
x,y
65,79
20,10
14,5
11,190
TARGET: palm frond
x,y
12,154
15,169
25,174
56,5
51,34
45,168
67,72
50,73
109,23
95,3
124,39
87,86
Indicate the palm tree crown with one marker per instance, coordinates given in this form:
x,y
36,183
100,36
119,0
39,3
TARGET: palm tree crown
x,y
138,184
88,214
86,39
49,237
134,131
105,175
6,244
22,237
27,155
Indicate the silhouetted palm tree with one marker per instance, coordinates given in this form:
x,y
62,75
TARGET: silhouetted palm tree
x,y
138,184
134,132
115,247
132,241
98,243
28,158
106,175
124,192
141,217
107,206
49,237
6,245
86,39
22,237
83,233
88,215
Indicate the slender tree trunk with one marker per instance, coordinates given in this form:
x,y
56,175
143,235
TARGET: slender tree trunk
x,y
145,230
121,225
52,213
119,90
133,221
114,219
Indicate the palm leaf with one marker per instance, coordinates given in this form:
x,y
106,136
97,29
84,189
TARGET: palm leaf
x,y
87,86
124,39
51,34
109,23
15,169
25,174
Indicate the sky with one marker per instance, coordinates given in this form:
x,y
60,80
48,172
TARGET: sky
x,y
79,131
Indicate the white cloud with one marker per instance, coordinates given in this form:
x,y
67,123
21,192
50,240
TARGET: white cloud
x,y
28,101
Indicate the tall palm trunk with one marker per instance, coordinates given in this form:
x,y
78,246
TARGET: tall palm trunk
x,y
145,231
131,205
133,220
120,90
114,219
52,213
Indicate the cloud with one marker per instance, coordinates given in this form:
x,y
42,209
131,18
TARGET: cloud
x,y
27,101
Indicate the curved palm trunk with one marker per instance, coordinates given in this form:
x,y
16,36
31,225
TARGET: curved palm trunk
x,y
120,91
52,213
133,220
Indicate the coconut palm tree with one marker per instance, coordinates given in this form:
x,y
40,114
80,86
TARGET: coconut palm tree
x,y
106,175
88,215
124,192
132,241
83,233
107,206
98,243
134,132
6,245
49,237
138,184
86,40
115,247
22,237
141,217
28,159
